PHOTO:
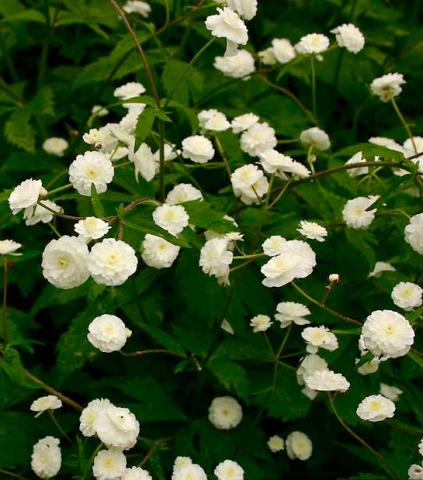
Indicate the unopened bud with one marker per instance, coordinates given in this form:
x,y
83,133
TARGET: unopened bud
x,y
334,278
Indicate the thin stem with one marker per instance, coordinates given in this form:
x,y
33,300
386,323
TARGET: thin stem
x,y
404,123
57,424
57,177
281,194
313,86
142,353
11,474
161,161
54,229
278,354
4,316
252,256
266,337
222,154
269,190
58,214
60,189
309,159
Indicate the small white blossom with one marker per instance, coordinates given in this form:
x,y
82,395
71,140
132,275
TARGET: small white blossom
x,y
198,149
260,323
158,252
46,458
376,408
189,471
415,472
55,146
356,213
25,195
276,444
312,43
407,295
413,233
92,168
99,111
89,415
38,214
334,278
42,404
215,259
381,267
292,312
309,365
298,445
172,218
273,245
225,413
312,231
249,183
129,90
267,56
258,138
283,50
170,153
117,427
137,6
91,228
388,86
227,24
240,65
9,247
229,470
388,391
350,37
136,473
183,192
319,337
108,333
143,160
244,122
213,120
327,381
369,367
316,138
245,8
109,465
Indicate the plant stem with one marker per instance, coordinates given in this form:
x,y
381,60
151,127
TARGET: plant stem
x,y
10,93
161,161
252,256
313,86
281,193
278,354
58,214
57,424
142,353
11,474
222,154
404,123
60,189
4,316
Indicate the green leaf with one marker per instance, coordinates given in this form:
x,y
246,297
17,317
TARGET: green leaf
x,y
11,363
192,83
19,131
96,203
416,358
43,102
202,215
370,150
231,375
148,226
144,125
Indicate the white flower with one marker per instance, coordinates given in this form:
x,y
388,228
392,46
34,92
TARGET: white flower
x,y
136,473
213,120
388,86
350,37
172,218
144,161
99,111
415,472
249,183
215,258
273,245
158,252
258,138
298,445
49,402
227,24
111,262
312,230
129,90
319,337
38,214
117,427
229,470
356,213
260,323
309,365
225,413
91,228
292,312
407,295
55,146
276,444
334,278
386,334
386,142
108,333
381,267
283,50
355,172
413,233
296,260
190,471
137,6
197,148
420,447
89,415
46,458
316,138
327,381
244,122
109,465
9,247
274,162
312,43
92,168
183,192
240,65
65,262
376,408
25,195
267,56
97,137
388,391
170,153
369,367
246,8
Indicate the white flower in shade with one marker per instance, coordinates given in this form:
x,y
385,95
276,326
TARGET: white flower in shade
x,y
407,295
42,404
246,8
213,120
312,43
129,90
355,172
413,233
109,465
350,37
136,473
230,237
298,445
143,160
91,228
312,230
215,258
25,195
111,262
125,129
198,149
283,50
369,367
420,446
309,365
260,323
415,472
178,464
97,137
92,168
386,334
158,252
189,471
225,413
137,6
319,337
9,247
99,111
244,122
38,214
275,162
327,381
381,267
356,213
296,260
89,415
267,56
240,65
183,192
273,245
170,153
258,138
64,262
46,458
117,427
388,391
55,146
388,86
276,444
229,470
108,333
292,312
172,218
376,408
316,138
227,24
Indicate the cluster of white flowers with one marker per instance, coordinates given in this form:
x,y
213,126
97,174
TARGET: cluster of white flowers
x,y
185,469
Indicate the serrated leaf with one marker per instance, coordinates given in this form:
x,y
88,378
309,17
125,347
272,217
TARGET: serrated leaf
x,y
19,131
11,363
231,375
202,215
370,150
43,102
144,125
